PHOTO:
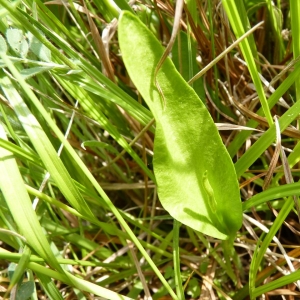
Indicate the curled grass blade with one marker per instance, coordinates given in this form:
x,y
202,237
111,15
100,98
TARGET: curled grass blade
x,y
272,194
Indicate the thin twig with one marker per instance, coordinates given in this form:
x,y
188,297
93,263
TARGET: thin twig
x,y
220,56
176,26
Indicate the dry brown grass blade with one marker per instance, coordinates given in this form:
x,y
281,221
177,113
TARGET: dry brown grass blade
x,y
126,186
219,57
287,173
280,262
195,269
228,126
290,131
107,66
77,7
176,27
273,163
139,270
275,157
213,103
248,181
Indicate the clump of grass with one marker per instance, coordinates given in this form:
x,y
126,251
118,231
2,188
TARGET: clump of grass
x,y
79,210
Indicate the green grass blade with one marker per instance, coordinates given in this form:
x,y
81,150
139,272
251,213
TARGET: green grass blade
x,y
49,287
95,113
295,11
78,283
238,19
286,208
279,92
21,267
276,23
176,260
272,194
265,140
275,284
20,153
41,142
19,203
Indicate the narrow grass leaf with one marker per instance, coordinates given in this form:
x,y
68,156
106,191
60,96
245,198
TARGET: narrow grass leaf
x,y
273,99
78,283
49,286
276,23
19,203
281,217
185,62
295,24
266,140
41,142
238,19
21,267
275,284
20,153
176,260
95,113
272,194
57,170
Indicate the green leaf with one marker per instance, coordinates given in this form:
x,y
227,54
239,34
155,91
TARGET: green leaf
x,y
193,288
196,180
27,73
40,50
25,290
17,42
